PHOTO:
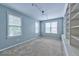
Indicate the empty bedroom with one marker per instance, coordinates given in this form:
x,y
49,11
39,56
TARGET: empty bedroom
x,y
39,29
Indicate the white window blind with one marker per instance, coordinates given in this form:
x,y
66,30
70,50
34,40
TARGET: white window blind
x,y
54,27
47,27
51,27
36,27
14,25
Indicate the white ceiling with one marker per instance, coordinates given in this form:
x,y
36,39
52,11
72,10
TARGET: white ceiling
x,y
52,10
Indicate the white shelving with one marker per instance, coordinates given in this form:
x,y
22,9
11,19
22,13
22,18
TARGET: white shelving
x,y
75,7
76,16
75,27
75,42
75,37
74,24
67,22
72,4
72,28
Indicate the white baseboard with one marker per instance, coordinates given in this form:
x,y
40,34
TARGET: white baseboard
x,y
17,44
64,46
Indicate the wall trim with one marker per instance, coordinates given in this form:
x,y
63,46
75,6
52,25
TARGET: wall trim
x,y
65,8
64,46
17,44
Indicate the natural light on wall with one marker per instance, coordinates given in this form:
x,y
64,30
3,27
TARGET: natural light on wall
x,y
14,25
36,27
51,27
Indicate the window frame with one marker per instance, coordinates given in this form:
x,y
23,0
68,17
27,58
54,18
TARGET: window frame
x,y
54,27
50,29
47,27
37,27
14,25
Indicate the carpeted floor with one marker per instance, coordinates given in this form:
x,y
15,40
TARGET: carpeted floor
x,y
37,47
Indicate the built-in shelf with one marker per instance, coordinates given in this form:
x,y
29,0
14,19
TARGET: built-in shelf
x,y
75,7
72,4
67,17
75,41
75,37
67,23
75,26
72,24
76,16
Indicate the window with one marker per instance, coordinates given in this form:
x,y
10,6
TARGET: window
x,y
14,25
47,27
54,27
51,27
36,27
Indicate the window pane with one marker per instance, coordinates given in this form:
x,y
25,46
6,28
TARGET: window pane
x,y
47,27
53,30
14,31
36,27
14,25
14,20
54,27
10,20
17,21
47,24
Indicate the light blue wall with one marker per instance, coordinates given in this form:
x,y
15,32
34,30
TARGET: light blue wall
x,y
28,28
59,30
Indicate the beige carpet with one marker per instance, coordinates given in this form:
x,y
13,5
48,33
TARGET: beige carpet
x,y
37,47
